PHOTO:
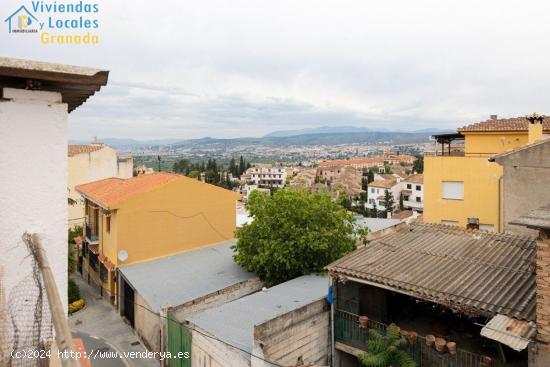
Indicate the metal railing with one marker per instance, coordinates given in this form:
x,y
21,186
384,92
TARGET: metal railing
x,y
347,330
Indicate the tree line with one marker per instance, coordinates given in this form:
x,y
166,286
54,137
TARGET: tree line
x,y
213,172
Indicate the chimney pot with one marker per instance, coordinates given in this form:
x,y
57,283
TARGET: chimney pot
x,y
473,223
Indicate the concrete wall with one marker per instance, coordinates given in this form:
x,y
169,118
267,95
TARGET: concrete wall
x,y
209,352
526,183
33,183
148,325
303,333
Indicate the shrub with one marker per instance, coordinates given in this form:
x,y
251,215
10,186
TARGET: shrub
x,y
74,292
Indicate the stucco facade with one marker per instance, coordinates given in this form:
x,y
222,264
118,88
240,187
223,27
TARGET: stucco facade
x,y
481,179
180,215
89,166
33,196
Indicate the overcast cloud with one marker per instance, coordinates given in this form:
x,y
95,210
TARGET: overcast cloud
x,y
188,69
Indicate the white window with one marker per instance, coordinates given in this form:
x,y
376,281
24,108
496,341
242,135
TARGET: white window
x,y
449,222
453,190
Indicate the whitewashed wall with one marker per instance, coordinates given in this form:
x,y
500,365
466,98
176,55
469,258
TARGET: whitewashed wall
x,y
33,182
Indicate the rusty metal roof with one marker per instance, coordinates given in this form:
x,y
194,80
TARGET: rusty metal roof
x,y
538,218
475,272
514,333
76,84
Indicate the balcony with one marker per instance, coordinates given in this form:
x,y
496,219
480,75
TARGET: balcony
x,y
348,332
91,233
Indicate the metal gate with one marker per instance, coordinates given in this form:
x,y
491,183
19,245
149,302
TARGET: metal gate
x,y
179,341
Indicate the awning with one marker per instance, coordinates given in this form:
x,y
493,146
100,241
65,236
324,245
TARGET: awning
x,y
105,261
509,331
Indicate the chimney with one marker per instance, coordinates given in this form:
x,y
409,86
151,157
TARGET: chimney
x,y
535,128
473,223
493,117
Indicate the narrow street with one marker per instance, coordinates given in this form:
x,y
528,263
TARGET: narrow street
x,y
101,328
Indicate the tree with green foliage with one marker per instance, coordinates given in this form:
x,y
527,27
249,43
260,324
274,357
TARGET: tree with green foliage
x,y
71,258
389,201
374,211
401,205
386,350
418,165
388,169
294,232
370,175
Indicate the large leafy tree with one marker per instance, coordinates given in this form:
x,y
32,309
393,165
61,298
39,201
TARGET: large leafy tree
x,y
386,350
389,201
294,232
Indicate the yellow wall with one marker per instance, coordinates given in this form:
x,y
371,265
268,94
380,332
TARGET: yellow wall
x,y
182,215
493,143
481,189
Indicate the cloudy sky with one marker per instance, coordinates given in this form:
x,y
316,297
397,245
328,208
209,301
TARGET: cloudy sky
x,y
188,69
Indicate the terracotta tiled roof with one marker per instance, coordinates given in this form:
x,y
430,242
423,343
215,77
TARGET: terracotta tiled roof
x,y
511,124
113,190
417,178
349,162
80,149
402,214
384,184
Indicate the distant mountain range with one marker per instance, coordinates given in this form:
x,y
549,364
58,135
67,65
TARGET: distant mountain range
x,y
326,135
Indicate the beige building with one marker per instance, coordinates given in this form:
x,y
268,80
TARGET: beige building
x,y
88,163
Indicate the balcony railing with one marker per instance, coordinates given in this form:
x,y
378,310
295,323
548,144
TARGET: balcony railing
x,y
348,331
91,233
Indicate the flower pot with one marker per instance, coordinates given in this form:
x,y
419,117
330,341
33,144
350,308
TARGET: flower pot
x,y
412,337
451,347
440,344
430,340
363,322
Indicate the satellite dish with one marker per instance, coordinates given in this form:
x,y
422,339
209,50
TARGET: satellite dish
x,y
123,255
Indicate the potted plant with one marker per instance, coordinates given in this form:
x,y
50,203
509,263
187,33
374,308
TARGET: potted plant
x,y
363,321
386,350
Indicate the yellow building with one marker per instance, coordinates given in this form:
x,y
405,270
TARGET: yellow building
x,y
88,163
147,217
464,184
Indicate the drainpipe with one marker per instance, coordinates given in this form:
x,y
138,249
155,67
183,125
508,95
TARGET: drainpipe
x,y
500,209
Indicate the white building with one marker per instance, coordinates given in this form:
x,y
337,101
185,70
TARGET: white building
x,y
412,189
36,99
377,190
247,190
267,176
92,162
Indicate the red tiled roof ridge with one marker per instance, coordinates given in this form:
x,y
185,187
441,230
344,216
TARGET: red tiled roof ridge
x,y
505,124
75,149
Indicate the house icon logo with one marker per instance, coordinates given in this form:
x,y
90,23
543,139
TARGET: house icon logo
x,y
22,21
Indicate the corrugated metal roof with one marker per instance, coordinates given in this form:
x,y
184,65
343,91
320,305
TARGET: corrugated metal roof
x,y
177,279
234,322
538,218
476,272
375,224
514,333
